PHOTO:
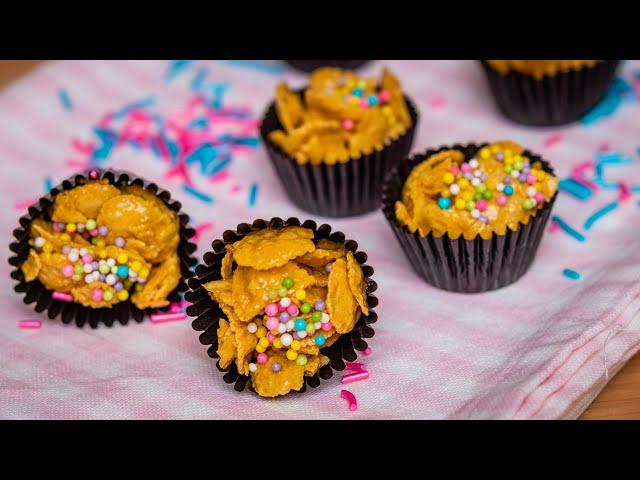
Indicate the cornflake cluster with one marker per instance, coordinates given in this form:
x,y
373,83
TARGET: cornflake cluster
x,y
285,298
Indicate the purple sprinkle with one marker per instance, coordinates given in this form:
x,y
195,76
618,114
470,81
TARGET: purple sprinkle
x,y
507,180
118,286
468,175
95,265
526,169
119,242
275,367
319,306
285,317
102,277
483,219
328,267
103,231
296,336
523,178
499,156
66,249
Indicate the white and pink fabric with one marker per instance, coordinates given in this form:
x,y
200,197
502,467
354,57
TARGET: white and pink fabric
x,y
542,348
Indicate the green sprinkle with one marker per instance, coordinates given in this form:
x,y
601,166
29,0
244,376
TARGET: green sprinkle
x,y
287,283
305,308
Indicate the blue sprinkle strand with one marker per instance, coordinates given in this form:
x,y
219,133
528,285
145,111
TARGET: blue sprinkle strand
x,y
65,100
48,184
599,214
567,229
142,103
578,190
198,80
262,66
175,68
196,193
609,159
253,195
572,274
619,93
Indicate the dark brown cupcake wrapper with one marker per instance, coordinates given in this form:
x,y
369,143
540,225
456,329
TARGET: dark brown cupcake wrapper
x,y
340,190
467,266
310,65
36,292
554,99
208,312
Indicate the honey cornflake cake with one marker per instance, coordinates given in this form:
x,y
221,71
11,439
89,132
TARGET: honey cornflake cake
x,y
286,298
340,126
477,213
103,243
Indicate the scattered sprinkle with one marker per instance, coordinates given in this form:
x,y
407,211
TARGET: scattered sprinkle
x,y
48,184
625,192
367,352
197,193
436,102
253,195
30,324
599,214
552,140
567,229
354,377
65,100
554,227
575,188
25,204
200,229
175,68
356,366
236,188
572,274
350,398
261,66
63,297
619,92
167,317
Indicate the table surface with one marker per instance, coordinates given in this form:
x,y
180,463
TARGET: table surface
x,y
619,400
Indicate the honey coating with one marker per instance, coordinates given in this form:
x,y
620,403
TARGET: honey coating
x,y
340,116
280,316
539,68
438,198
106,245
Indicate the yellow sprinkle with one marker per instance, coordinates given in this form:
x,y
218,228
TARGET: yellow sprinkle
x,y
144,273
71,227
277,343
292,354
122,257
261,332
460,204
300,294
354,100
260,349
445,193
448,178
100,243
135,266
47,248
102,254
263,342
463,183
65,237
539,174
387,110
485,153
296,345
494,148
491,185
507,152
508,160
123,295
467,195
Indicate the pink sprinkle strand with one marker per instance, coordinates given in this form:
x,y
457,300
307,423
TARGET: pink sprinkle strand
x,y
354,377
552,140
63,297
26,204
436,102
584,181
167,317
625,193
200,229
358,367
30,324
350,398
367,352
554,227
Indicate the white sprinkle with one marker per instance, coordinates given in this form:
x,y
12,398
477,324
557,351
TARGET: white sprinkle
x,y
500,187
73,255
96,275
515,173
87,268
253,367
285,302
111,279
83,251
286,339
475,213
88,278
282,328
325,318
473,163
302,334
475,181
531,191
39,242
252,327
111,262
290,325
454,188
317,325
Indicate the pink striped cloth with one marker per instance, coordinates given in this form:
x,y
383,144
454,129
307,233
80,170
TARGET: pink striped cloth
x,y
542,348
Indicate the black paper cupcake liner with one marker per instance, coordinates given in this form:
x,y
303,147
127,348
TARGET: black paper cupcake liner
x,y
309,66
460,265
554,99
208,312
341,190
36,292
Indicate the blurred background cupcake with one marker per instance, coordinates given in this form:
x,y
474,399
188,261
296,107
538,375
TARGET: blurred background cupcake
x,y
311,65
332,143
548,92
470,218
